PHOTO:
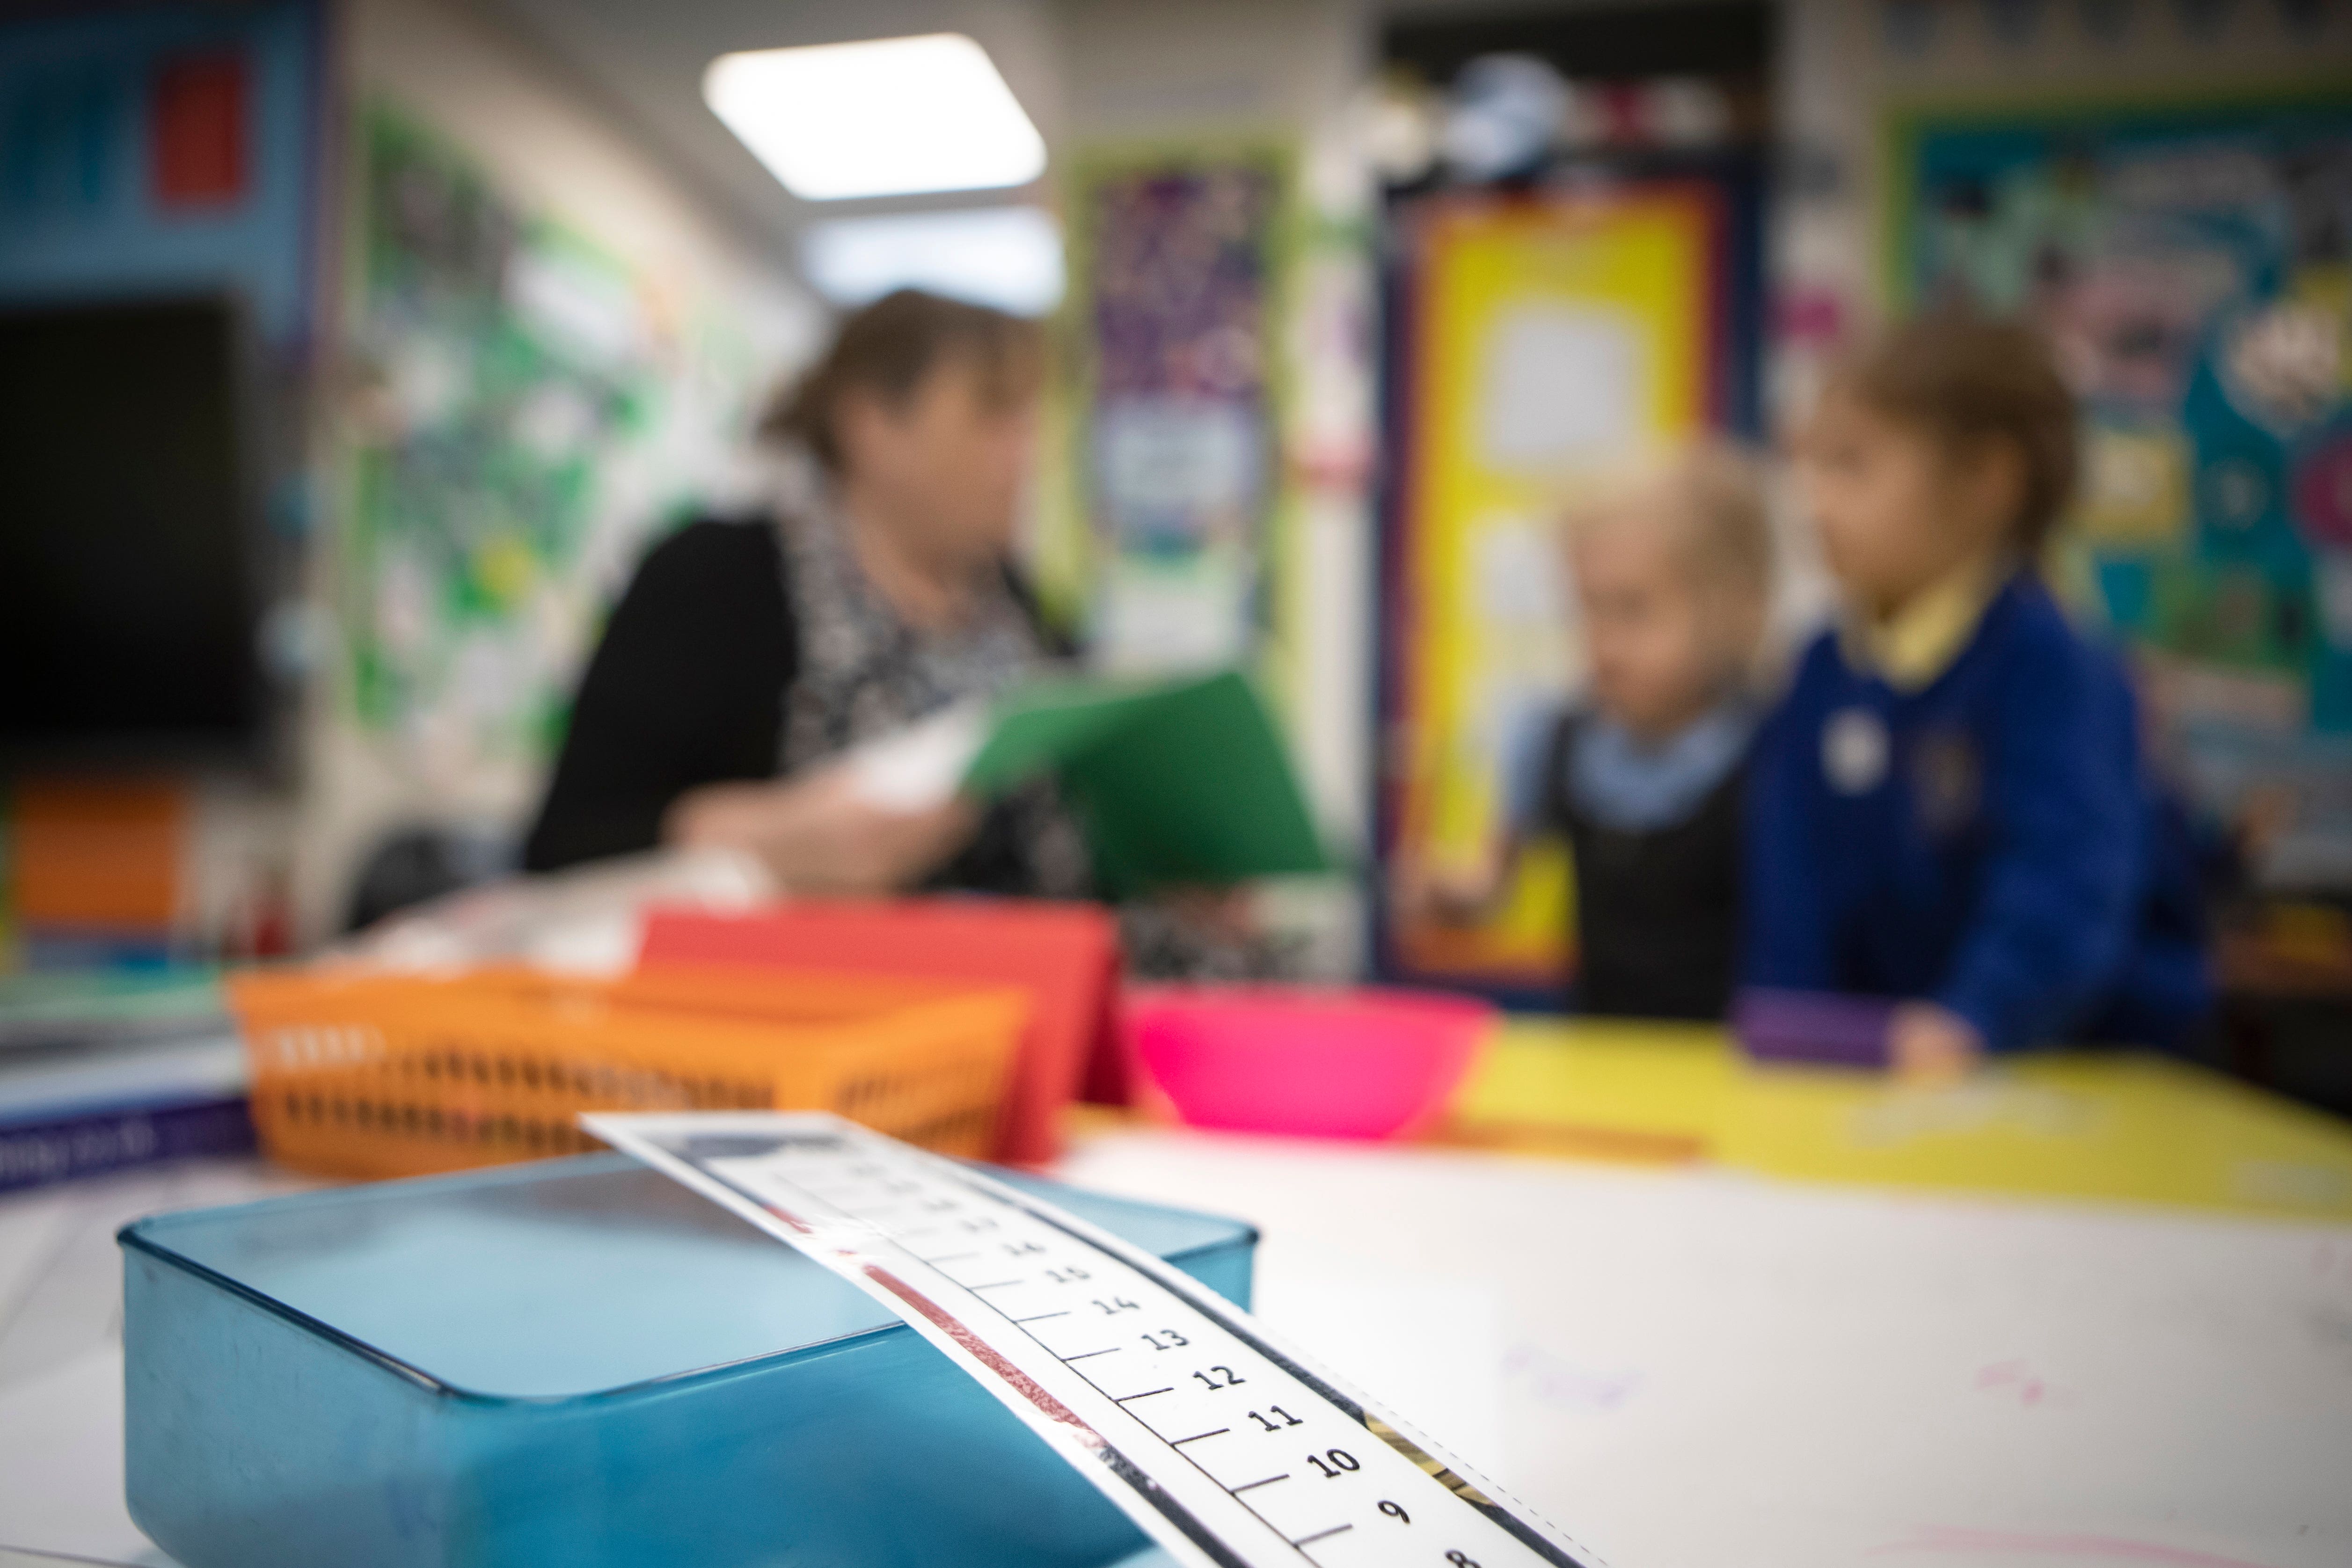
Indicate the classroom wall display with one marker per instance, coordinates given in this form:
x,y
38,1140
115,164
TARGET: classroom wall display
x,y
532,411
2193,263
1538,342
1179,269
170,154
164,150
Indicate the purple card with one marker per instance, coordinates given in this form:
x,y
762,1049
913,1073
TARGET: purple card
x,y
1812,1026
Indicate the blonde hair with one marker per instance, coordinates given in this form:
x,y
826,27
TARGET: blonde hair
x,y
1711,493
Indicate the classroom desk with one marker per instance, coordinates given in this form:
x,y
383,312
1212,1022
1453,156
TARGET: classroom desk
x,y
1715,1348
2109,1125
1700,1367
62,1349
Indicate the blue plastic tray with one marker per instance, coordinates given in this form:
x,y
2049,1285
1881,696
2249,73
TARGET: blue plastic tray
x,y
575,1361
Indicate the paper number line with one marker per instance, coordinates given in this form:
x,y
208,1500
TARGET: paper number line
x,y
1201,1300
1020,1382
1214,1307
1028,1388
800,1140
1137,1479
1055,1409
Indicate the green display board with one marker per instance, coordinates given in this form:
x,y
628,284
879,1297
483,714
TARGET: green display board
x,y
529,411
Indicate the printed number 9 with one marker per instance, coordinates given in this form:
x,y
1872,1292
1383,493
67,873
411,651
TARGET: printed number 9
x,y
1462,1560
1393,1512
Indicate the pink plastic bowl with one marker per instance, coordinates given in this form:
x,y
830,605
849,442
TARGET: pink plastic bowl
x,y
1318,1063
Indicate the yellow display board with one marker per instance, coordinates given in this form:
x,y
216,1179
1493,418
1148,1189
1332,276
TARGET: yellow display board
x,y
1554,340
2100,1127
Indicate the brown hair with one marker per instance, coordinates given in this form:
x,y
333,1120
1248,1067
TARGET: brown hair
x,y
1967,380
885,350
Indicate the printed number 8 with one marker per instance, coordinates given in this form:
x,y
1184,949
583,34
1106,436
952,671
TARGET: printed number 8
x,y
1462,1560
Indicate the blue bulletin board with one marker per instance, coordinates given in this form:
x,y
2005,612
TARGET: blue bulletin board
x,y
164,149
2193,263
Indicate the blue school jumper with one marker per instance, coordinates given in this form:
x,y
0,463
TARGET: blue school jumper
x,y
1991,842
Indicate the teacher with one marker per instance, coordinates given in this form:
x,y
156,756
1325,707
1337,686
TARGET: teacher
x,y
746,656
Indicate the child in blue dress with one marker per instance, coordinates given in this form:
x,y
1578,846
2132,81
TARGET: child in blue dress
x,y
1951,807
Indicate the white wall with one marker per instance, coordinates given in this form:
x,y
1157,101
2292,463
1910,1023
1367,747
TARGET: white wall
x,y
552,147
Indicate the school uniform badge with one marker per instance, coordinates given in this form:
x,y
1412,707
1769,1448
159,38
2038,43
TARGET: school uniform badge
x,y
1854,751
1946,781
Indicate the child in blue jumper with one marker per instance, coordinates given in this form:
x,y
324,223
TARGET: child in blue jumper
x,y
1950,809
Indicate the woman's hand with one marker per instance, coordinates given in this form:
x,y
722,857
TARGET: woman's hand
x,y
1931,1045
819,834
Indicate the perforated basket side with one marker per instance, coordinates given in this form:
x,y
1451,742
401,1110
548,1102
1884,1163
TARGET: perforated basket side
x,y
941,1084
378,1079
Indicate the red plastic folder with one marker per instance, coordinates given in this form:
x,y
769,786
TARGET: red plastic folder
x,y
1067,954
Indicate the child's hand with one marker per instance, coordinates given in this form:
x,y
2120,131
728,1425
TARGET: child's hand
x,y
1932,1045
1452,895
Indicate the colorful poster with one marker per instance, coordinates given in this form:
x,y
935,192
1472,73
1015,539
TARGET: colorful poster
x,y
534,410
2193,264
1177,300
1550,340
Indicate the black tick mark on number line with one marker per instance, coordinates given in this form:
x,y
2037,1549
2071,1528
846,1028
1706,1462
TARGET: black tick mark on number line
x,y
1041,1317
947,1258
1083,1356
1146,1395
993,1285
1322,1535
1253,1486
1198,1435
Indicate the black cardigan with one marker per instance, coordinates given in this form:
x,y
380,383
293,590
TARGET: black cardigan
x,y
686,688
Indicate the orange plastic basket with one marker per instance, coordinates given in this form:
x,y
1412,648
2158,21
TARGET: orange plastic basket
x,y
370,1075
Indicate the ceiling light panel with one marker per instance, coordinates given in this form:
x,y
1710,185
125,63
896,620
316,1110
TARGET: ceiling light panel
x,y
886,117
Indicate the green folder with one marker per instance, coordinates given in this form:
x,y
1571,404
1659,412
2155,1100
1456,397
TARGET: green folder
x,y
1176,782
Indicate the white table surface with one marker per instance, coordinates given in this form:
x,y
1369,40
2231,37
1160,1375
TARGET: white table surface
x,y
1684,1368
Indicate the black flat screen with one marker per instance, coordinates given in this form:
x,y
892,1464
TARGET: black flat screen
x,y
127,580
